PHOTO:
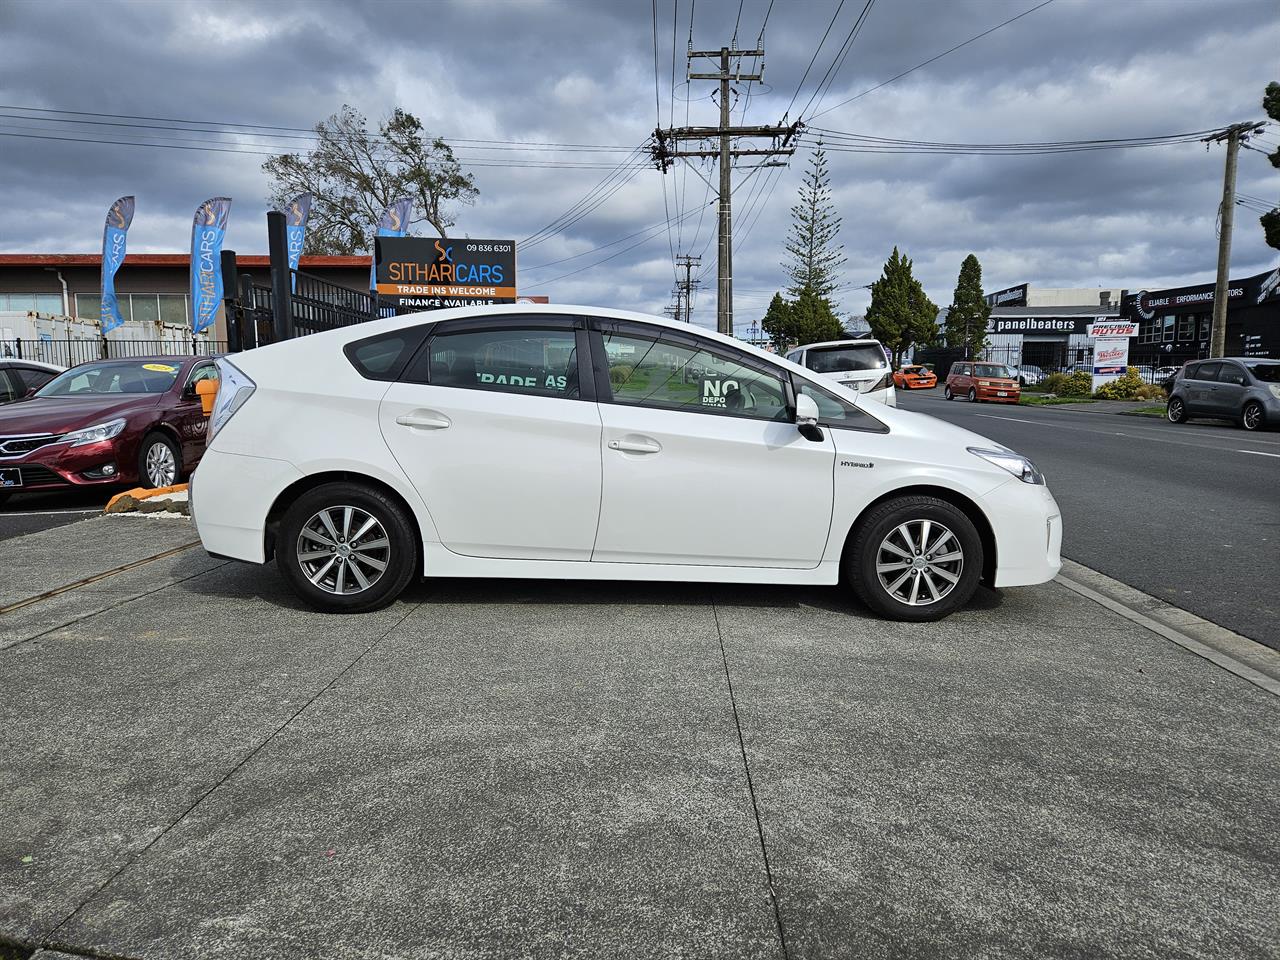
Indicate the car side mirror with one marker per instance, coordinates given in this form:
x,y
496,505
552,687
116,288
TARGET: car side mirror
x,y
807,418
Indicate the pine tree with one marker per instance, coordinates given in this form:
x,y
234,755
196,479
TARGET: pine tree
x,y
814,257
967,316
1271,219
813,320
900,313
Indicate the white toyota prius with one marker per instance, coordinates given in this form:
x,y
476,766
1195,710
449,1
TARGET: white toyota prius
x,y
595,444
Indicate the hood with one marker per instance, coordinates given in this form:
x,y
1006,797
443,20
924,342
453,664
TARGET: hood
x,y
57,415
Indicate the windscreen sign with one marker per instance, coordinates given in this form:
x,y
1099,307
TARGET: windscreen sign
x,y
424,273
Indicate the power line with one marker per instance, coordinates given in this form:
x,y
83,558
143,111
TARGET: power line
x,y
311,134
933,59
812,59
608,185
837,62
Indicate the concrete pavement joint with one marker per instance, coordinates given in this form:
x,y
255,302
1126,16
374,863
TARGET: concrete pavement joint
x,y
751,790
1158,617
53,944
111,606
76,585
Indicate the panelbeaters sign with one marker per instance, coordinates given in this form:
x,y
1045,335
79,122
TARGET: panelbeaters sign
x,y
427,273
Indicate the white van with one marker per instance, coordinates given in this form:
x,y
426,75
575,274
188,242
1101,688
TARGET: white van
x,y
860,365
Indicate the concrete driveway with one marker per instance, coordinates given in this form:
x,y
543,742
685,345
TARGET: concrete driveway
x,y
193,766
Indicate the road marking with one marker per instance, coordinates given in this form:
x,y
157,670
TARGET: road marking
x,y
988,416
1259,453
43,513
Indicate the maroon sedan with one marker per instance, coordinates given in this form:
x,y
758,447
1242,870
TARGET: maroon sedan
x,y
136,421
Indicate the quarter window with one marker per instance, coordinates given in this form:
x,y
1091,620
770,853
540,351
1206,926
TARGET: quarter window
x,y
541,363
653,372
836,412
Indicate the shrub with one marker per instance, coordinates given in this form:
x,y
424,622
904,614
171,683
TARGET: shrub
x,y
1078,384
1152,391
1053,383
620,374
1124,387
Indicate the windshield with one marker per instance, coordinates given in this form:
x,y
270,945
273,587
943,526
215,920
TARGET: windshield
x,y
1266,372
844,359
992,370
112,376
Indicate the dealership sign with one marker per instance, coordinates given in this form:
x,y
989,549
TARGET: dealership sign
x,y
426,273
1110,348
1113,328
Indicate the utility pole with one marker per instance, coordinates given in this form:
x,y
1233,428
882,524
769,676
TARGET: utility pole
x,y
667,148
1234,135
685,287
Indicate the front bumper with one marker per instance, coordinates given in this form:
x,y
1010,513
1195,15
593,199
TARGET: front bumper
x,y
59,465
1027,525
992,394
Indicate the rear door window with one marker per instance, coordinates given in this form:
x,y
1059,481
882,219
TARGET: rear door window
x,y
534,362
1230,373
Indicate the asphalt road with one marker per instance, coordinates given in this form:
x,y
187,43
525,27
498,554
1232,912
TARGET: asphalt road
x,y
1188,513
25,513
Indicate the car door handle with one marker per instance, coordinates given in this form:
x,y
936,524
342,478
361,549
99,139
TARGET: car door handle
x,y
636,445
424,420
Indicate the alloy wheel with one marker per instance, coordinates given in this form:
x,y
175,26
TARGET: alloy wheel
x,y
343,550
1174,411
1252,418
919,562
162,467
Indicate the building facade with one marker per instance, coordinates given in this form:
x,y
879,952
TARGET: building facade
x,y
1046,327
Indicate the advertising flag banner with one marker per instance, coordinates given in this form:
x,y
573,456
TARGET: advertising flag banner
x,y
422,273
394,223
113,241
295,227
208,230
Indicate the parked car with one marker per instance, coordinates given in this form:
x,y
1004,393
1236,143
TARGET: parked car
x,y
1243,389
979,380
18,378
914,377
134,421
1029,375
860,365
1164,376
596,444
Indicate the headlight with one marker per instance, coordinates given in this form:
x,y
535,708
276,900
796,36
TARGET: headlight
x,y
1015,463
234,388
99,431
1275,389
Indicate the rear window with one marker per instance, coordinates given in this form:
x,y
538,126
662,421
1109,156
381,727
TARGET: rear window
x,y
385,356
1266,372
844,359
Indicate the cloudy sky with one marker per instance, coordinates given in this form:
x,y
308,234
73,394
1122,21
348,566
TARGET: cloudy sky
x,y
583,72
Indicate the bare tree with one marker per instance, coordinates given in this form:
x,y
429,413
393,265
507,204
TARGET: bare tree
x,y
354,175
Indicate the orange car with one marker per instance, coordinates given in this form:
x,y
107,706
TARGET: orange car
x,y
979,381
914,378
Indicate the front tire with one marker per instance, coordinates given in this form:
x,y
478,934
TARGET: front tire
x,y
947,394
159,461
1252,417
347,548
915,559
973,395
1176,411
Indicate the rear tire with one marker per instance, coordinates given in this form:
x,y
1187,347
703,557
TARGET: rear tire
x,y
1252,417
347,548
886,559
1176,410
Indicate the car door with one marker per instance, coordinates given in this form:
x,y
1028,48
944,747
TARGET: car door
x,y
703,463
492,424
1228,393
187,413
1201,380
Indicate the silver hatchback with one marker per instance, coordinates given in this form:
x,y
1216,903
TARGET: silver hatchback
x,y
1243,389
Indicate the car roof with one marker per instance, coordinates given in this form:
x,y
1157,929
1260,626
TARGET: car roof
x,y
23,361
860,342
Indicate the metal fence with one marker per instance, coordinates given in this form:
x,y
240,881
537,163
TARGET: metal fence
x,y
67,352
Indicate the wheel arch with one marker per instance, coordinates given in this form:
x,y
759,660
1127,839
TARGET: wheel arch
x,y
960,501
310,482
